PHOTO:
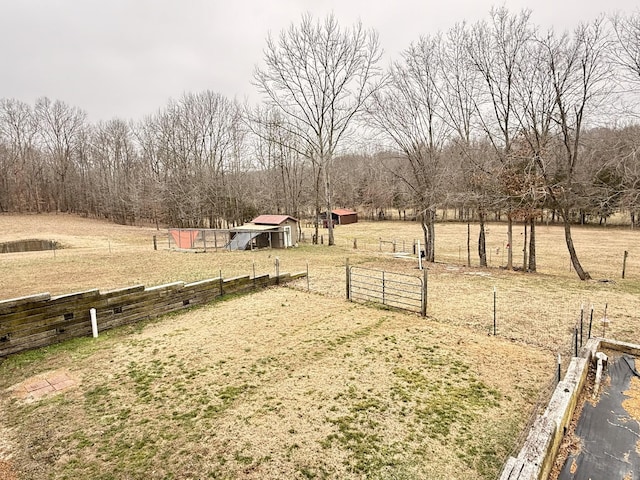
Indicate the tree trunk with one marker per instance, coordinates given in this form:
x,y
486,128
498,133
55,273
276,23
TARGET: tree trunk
x,y
482,241
428,230
329,209
316,236
524,249
432,234
582,274
532,244
509,242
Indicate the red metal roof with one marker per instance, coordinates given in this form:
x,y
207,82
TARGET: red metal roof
x,y
272,219
343,211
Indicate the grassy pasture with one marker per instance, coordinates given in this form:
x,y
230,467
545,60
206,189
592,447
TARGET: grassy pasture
x,y
287,383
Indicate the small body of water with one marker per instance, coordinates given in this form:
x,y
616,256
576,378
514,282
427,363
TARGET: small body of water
x,y
31,245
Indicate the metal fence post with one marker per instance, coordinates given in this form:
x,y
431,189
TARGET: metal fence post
x,y
348,279
494,312
424,292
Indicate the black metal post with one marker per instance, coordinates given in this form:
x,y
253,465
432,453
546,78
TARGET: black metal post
x,y
581,322
494,312
348,279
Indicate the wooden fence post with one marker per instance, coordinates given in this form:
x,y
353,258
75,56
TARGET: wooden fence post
x,y
624,263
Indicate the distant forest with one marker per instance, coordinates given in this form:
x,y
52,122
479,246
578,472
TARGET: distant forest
x,y
498,116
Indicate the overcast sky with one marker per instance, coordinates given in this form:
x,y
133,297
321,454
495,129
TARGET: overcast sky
x,y
127,58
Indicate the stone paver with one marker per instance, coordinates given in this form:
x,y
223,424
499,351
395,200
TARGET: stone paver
x,y
42,385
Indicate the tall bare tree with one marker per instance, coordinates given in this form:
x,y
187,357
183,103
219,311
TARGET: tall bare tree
x,y
409,112
61,129
535,97
580,75
497,50
460,94
319,76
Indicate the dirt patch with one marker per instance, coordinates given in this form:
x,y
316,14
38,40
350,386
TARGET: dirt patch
x,y
6,471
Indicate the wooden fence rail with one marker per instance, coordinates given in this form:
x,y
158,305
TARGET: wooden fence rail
x,y
39,320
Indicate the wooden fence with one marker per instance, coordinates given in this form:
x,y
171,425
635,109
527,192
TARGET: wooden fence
x,y
40,320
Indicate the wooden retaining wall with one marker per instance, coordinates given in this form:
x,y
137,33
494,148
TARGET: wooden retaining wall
x,y
39,320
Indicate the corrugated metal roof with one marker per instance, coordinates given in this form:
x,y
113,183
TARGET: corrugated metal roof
x,y
343,211
250,227
272,219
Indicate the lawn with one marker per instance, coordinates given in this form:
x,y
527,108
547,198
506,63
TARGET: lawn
x,y
297,382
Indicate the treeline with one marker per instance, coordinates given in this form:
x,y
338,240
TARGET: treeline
x,y
195,163
497,116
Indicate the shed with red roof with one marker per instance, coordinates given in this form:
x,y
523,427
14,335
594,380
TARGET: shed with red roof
x,y
344,216
275,231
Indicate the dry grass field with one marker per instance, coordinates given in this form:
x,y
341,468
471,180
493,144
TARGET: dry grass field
x,y
297,382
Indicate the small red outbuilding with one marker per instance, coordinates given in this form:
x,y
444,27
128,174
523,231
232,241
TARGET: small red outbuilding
x,y
344,216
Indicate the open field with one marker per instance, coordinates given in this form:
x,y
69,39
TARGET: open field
x,y
288,383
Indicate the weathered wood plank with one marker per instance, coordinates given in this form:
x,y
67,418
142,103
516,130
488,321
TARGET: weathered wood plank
x,y
11,303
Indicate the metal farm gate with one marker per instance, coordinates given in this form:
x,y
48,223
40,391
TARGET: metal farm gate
x,y
392,289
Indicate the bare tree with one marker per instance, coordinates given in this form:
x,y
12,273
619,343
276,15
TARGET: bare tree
x,y
116,172
190,146
61,130
535,96
461,92
497,49
409,112
319,77
627,50
580,77
284,169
